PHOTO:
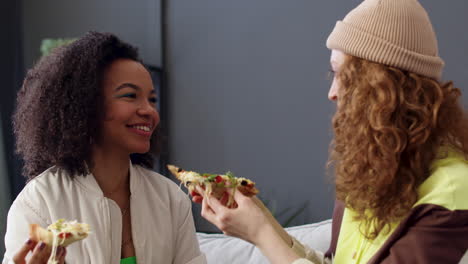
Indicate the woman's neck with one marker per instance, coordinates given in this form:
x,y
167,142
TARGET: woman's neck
x,y
111,170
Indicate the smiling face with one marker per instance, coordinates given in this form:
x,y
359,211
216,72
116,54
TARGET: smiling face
x,y
130,114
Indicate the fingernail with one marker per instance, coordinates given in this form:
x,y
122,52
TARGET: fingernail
x,y
42,246
29,242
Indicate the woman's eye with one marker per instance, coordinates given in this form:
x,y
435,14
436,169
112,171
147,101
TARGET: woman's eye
x,y
128,95
153,100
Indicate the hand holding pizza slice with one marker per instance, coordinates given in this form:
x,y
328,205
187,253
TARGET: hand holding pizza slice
x,y
61,233
214,184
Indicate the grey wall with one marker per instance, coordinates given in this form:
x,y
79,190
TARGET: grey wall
x,y
450,23
137,22
247,81
248,91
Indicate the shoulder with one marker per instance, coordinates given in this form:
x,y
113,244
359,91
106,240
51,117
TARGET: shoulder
x,y
48,184
447,184
427,225
33,202
161,186
45,189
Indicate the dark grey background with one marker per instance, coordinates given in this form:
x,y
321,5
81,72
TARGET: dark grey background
x,y
248,90
137,22
247,87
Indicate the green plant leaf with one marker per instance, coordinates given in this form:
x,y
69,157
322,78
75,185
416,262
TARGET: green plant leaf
x,y
49,44
296,214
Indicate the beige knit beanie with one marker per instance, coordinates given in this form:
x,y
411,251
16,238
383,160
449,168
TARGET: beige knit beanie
x,y
397,33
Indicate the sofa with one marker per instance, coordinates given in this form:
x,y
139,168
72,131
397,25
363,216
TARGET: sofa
x,y
222,249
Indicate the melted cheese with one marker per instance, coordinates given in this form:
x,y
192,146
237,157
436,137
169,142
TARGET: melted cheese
x,y
190,176
61,226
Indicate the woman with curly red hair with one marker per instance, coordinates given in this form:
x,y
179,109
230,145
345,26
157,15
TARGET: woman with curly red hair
x,y
400,150
86,127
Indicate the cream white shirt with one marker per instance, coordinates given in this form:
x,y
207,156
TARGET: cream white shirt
x,y
308,255
162,223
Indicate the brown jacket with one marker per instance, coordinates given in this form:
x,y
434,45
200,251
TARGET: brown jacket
x,y
429,234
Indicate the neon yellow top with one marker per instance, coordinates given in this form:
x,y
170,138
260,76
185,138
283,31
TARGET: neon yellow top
x,y
129,260
446,187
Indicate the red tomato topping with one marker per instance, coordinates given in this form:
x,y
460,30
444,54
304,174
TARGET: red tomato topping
x,y
218,179
66,235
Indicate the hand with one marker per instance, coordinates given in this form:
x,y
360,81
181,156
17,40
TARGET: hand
x,y
40,253
245,221
250,221
198,198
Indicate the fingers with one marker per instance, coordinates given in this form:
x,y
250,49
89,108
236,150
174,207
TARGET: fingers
x,y
207,212
225,198
200,191
197,199
215,205
61,253
40,254
20,256
239,197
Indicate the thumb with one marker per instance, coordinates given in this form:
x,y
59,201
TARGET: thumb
x,y
239,197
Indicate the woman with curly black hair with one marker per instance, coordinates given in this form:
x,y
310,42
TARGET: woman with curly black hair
x,y
400,151
86,127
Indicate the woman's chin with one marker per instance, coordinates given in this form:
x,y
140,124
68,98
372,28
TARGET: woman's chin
x,y
141,149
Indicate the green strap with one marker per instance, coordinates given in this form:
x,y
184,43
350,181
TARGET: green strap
x,y
130,260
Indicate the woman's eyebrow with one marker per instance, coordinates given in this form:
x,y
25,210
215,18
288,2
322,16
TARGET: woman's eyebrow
x,y
130,85
133,86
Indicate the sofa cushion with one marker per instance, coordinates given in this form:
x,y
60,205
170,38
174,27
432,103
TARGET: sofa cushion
x,y
220,248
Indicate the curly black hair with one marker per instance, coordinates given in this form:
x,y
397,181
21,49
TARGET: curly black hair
x,y
59,107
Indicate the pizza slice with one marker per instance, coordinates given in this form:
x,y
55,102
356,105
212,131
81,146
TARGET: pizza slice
x,y
61,233
214,184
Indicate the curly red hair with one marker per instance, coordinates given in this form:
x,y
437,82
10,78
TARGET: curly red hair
x,y
389,127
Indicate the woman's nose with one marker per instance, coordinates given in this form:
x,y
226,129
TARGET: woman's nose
x,y
332,95
146,108
333,92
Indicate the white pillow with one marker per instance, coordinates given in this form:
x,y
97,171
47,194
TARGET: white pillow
x,y
221,249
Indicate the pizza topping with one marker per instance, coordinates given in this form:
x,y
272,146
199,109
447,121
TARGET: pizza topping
x,y
190,176
65,235
211,177
214,184
62,230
